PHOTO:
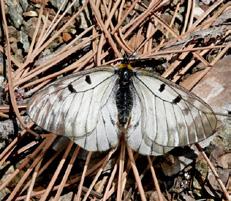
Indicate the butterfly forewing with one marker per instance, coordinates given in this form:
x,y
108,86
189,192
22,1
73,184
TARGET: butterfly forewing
x,y
81,107
169,115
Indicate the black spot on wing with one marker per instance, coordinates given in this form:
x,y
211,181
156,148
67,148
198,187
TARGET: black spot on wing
x,y
136,124
112,121
71,88
88,79
177,99
162,87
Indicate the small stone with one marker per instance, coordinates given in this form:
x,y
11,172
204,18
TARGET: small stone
x,y
66,197
66,37
24,4
30,13
6,129
58,3
23,38
15,12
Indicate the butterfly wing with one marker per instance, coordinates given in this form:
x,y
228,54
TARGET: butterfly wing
x,y
80,106
166,115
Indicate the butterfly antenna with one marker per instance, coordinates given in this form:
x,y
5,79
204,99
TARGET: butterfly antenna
x,y
129,57
125,59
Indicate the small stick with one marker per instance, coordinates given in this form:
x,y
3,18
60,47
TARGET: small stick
x,y
78,196
106,193
98,174
121,169
34,176
155,179
58,170
136,174
67,172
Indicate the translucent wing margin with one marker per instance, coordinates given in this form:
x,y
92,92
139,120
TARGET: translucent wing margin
x,y
166,116
80,106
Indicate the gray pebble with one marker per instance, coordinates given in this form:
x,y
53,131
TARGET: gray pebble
x,y
23,38
6,129
15,12
24,4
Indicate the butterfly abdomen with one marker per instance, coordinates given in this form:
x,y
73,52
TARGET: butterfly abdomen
x,y
124,100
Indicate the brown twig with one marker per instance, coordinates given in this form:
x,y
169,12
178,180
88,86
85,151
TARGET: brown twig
x,y
55,176
136,174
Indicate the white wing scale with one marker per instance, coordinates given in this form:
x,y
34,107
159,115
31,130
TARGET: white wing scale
x,y
141,123
166,116
83,114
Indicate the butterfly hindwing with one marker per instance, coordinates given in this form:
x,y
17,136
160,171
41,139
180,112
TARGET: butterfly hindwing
x,y
136,137
80,106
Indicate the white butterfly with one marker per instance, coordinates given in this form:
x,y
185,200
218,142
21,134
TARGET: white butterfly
x,y
95,107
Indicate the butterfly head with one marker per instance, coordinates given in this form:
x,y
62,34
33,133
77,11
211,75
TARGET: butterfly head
x,y
126,63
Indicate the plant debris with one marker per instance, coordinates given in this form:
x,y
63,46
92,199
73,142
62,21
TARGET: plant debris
x,y
45,40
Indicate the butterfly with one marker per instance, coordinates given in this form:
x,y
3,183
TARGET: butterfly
x,y
96,107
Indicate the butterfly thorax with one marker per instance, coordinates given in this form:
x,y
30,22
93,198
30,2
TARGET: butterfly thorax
x,y
124,100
